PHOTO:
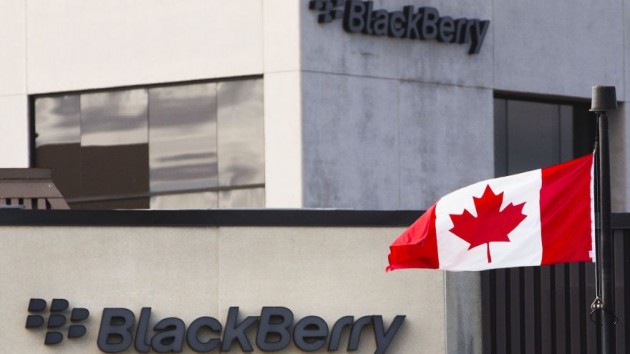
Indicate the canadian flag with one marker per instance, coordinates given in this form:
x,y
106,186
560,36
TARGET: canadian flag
x,y
533,218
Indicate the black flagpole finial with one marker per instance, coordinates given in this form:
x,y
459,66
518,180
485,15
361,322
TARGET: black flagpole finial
x,y
604,99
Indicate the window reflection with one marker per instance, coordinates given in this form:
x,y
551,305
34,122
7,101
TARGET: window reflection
x,y
171,147
114,144
57,141
201,200
57,120
242,198
114,118
240,133
182,136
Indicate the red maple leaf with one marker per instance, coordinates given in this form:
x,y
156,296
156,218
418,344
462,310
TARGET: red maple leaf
x,y
491,224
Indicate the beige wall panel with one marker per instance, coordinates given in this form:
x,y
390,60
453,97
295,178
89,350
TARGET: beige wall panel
x,y
191,272
331,272
283,140
282,35
14,131
78,44
174,271
13,44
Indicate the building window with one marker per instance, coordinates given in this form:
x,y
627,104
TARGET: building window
x,y
531,134
177,146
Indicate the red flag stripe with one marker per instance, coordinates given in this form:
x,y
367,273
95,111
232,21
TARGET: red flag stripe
x,y
417,246
565,211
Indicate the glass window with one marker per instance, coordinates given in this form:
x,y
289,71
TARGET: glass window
x,y
199,200
183,137
58,141
183,146
240,126
531,134
242,198
114,149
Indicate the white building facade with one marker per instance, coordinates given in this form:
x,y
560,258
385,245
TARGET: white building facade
x,y
344,116
350,120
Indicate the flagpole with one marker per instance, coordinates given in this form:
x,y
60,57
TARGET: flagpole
x,y
603,100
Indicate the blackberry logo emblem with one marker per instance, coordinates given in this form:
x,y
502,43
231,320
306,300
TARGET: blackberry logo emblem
x,y
331,9
57,320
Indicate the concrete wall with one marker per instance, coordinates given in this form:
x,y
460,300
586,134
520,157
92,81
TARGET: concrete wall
x,y
408,141
531,47
619,146
391,123
395,124
559,48
191,272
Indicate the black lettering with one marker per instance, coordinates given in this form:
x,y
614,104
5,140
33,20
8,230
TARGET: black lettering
x,y
114,335
367,18
430,17
384,338
355,332
275,322
381,22
469,29
446,30
310,333
192,336
141,343
337,331
478,35
236,331
413,20
396,24
353,21
170,336
461,35
424,24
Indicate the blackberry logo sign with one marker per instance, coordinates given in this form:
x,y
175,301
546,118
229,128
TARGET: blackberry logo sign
x,y
424,23
276,328
57,319
274,332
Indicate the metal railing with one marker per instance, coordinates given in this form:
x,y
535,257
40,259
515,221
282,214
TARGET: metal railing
x,y
548,309
29,188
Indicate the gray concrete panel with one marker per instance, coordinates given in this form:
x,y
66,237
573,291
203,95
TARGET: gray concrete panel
x,y
626,50
463,313
350,135
327,48
446,141
558,47
619,158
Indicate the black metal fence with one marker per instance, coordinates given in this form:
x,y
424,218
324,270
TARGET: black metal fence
x,y
547,309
